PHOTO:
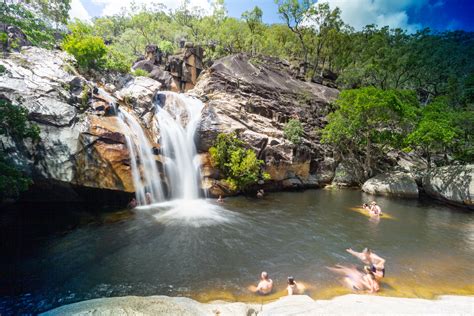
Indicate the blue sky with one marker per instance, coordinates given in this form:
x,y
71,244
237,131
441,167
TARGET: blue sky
x,y
408,14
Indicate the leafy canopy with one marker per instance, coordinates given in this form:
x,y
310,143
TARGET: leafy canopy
x,y
370,116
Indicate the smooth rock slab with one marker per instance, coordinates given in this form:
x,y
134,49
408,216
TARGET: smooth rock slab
x,y
397,184
453,184
290,305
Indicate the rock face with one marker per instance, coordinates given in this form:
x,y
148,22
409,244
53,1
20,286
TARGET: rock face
x,y
255,97
81,144
177,72
289,305
392,184
452,184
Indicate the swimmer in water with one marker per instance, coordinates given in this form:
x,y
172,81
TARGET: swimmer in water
x,y
294,288
376,263
265,286
220,199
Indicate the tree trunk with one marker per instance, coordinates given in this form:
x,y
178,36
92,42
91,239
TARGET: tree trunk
x,y
368,158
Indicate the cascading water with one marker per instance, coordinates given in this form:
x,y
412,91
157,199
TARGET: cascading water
x,y
146,178
177,116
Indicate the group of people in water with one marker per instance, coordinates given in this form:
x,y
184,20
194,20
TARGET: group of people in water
x,y
366,280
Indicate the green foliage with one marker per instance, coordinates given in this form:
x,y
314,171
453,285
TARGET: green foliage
x,y
36,29
14,123
140,73
85,95
293,131
56,11
12,181
437,130
117,61
239,165
2,69
89,50
369,117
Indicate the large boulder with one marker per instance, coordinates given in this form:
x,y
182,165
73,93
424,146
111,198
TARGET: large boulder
x,y
138,94
452,184
348,173
255,98
397,184
81,145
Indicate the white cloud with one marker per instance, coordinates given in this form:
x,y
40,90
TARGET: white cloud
x,y
112,7
359,13
78,11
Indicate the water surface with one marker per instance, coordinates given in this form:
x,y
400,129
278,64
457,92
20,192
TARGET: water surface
x,y
428,248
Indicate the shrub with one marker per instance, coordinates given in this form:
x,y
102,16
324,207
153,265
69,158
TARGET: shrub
x,y
140,73
293,131
14,123
89,50
239,165
117,61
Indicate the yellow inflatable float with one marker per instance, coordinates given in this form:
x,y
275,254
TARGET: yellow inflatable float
x,y
365,212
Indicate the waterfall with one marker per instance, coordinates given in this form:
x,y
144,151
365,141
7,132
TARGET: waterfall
x,y
146,178
177,117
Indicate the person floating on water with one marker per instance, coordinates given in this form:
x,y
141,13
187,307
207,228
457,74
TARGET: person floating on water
x,y
376,263
220,199
260,193
294,288
265,285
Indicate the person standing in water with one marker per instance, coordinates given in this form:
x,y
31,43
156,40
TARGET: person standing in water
x,y
376,263
220,199
370,281
265,286
294,288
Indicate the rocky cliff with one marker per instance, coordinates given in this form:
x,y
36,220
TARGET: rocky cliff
x,y
255,97
82,145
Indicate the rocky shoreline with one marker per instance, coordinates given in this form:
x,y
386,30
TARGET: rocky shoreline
x,y
290,305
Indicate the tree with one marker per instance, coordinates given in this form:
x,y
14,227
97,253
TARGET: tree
x,y
239,165
55,10
295,13
327,23
35,29
367,120
436,131
254,20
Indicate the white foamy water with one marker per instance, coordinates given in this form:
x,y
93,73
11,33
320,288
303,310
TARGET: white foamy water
x,y
177,117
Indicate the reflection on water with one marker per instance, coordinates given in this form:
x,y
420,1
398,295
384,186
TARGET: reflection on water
x,y
221,249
